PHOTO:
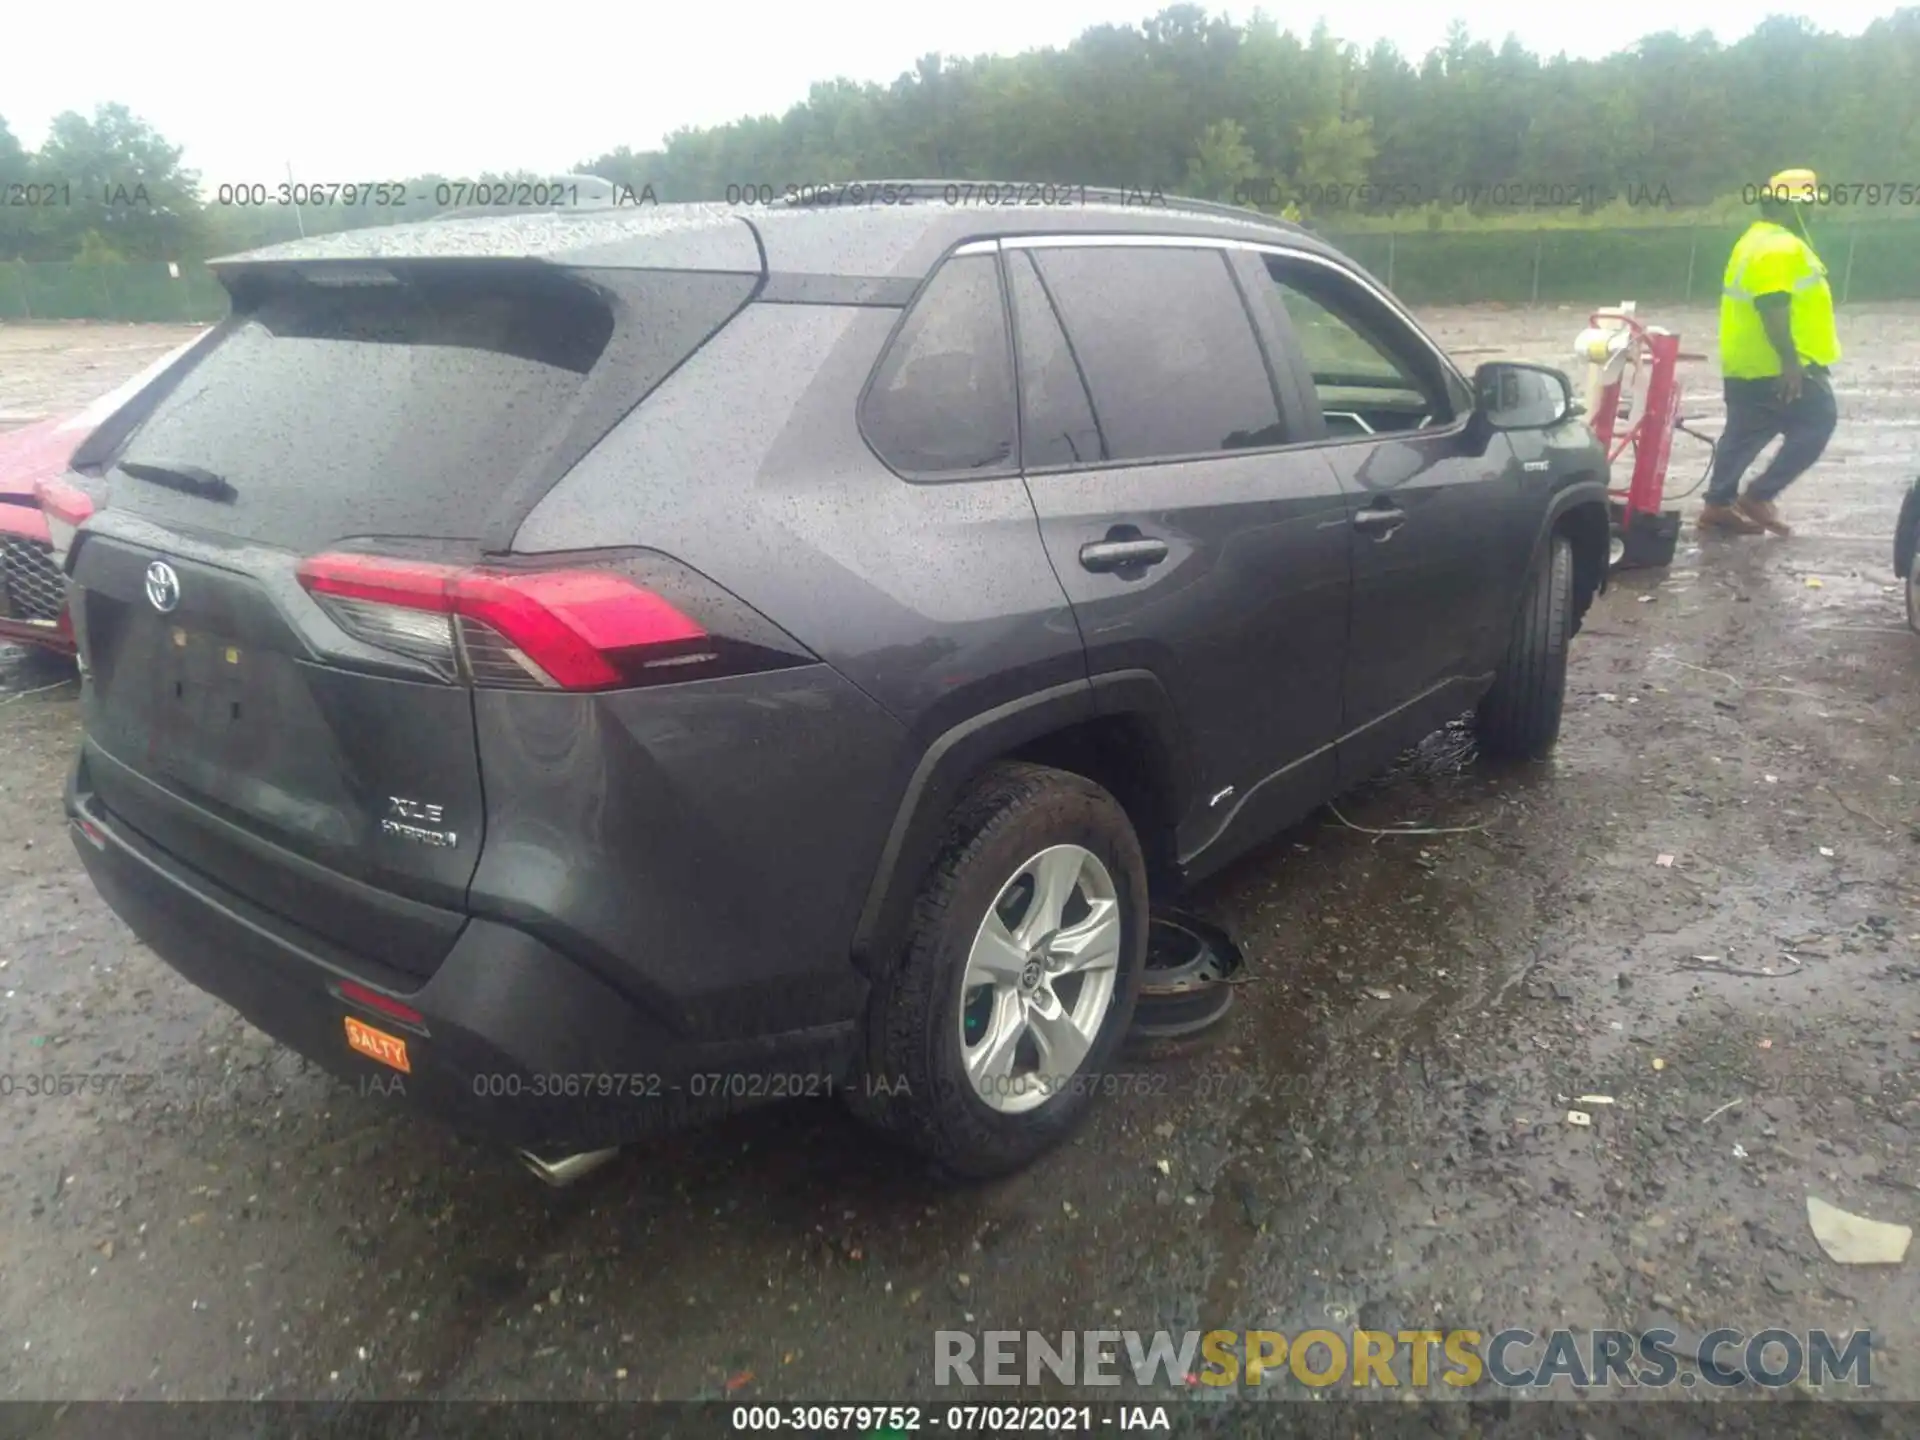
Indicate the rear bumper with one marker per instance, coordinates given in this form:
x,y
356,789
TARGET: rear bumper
x,y
516,1042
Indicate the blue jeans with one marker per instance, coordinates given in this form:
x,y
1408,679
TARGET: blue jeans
x,y
1754,417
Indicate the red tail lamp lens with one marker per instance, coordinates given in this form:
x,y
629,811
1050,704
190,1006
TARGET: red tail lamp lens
x,y
576,627
374,1000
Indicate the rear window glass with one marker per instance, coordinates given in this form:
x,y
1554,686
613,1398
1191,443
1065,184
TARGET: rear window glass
x,y
343,410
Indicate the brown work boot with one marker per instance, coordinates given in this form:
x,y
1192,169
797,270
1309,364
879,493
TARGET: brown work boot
x,y
1763,513
1726,520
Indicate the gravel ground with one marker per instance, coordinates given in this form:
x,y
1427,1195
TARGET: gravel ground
x,y
1376,1136
55,369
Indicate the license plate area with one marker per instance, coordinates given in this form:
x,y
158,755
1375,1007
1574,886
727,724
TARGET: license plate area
x,y
210,695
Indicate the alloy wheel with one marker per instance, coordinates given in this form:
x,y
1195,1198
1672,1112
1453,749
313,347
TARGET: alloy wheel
x,y
1040,979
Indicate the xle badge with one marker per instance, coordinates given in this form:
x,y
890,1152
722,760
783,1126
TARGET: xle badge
x,y
415,820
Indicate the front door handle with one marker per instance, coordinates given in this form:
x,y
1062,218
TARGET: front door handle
x,y
1380,521
1104,555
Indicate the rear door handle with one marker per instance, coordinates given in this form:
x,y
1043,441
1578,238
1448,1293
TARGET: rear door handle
x,y
1378,522
1103,555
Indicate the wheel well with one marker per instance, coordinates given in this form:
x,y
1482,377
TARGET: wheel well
x,y
1125,756
1587,527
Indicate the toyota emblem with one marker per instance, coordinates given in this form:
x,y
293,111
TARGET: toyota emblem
x,y
163,586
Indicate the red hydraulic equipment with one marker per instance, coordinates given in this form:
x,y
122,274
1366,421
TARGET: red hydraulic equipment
x,y
1633,403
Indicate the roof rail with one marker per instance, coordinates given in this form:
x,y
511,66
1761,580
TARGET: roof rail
x,y
823,195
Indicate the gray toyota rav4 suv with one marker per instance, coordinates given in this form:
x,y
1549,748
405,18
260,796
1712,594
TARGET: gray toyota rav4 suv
x,y
613,667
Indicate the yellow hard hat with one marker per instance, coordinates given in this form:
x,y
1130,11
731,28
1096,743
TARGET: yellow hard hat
x,y
1796,185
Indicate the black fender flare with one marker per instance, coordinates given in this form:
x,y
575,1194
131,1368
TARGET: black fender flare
x,y
951,761
1569,497
1591,491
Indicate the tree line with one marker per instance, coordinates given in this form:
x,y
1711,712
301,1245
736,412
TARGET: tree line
x,y
1184,103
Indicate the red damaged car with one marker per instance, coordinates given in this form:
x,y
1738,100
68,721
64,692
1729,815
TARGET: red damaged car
x,y
32,591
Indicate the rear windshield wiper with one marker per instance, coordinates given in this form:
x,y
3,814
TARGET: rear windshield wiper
x,y
188,478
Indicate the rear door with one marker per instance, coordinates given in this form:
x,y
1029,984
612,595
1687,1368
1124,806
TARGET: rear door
x,y
1190,544
319,759
1429,499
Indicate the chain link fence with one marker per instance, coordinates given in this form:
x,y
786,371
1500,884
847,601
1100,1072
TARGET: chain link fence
x,y
1868,261
1865,262
120,291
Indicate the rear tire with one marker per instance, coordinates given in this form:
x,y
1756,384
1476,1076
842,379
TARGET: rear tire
x,y
1906,552
1519,718
1020,833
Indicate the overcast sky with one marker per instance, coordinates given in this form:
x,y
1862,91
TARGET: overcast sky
x,y
356,90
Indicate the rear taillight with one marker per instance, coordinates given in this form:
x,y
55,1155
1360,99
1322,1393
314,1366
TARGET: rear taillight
x,y
66,508
561,629
359,994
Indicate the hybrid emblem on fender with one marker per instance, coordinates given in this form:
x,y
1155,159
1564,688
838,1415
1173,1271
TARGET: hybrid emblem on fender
x,y
163,587
414,820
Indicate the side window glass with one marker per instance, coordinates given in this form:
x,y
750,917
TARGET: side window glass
x,y
1166,347
1056,418
941,403
1368,373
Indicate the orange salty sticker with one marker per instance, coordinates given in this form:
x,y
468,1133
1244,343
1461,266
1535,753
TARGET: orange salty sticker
x,y
378,1045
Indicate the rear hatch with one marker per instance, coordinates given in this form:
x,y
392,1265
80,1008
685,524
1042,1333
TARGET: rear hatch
x,y
356,436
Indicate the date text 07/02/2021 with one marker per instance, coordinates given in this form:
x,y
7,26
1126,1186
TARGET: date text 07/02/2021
x,y
1206,1084
1216,1084
1273,192
883,1420
569,194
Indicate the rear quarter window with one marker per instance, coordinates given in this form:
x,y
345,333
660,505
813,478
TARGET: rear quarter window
x,y
940,405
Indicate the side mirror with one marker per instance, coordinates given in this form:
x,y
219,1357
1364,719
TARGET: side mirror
x,y
1511,396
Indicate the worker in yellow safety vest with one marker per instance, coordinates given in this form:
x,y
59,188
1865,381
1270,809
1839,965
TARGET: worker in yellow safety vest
x,y
1777,344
